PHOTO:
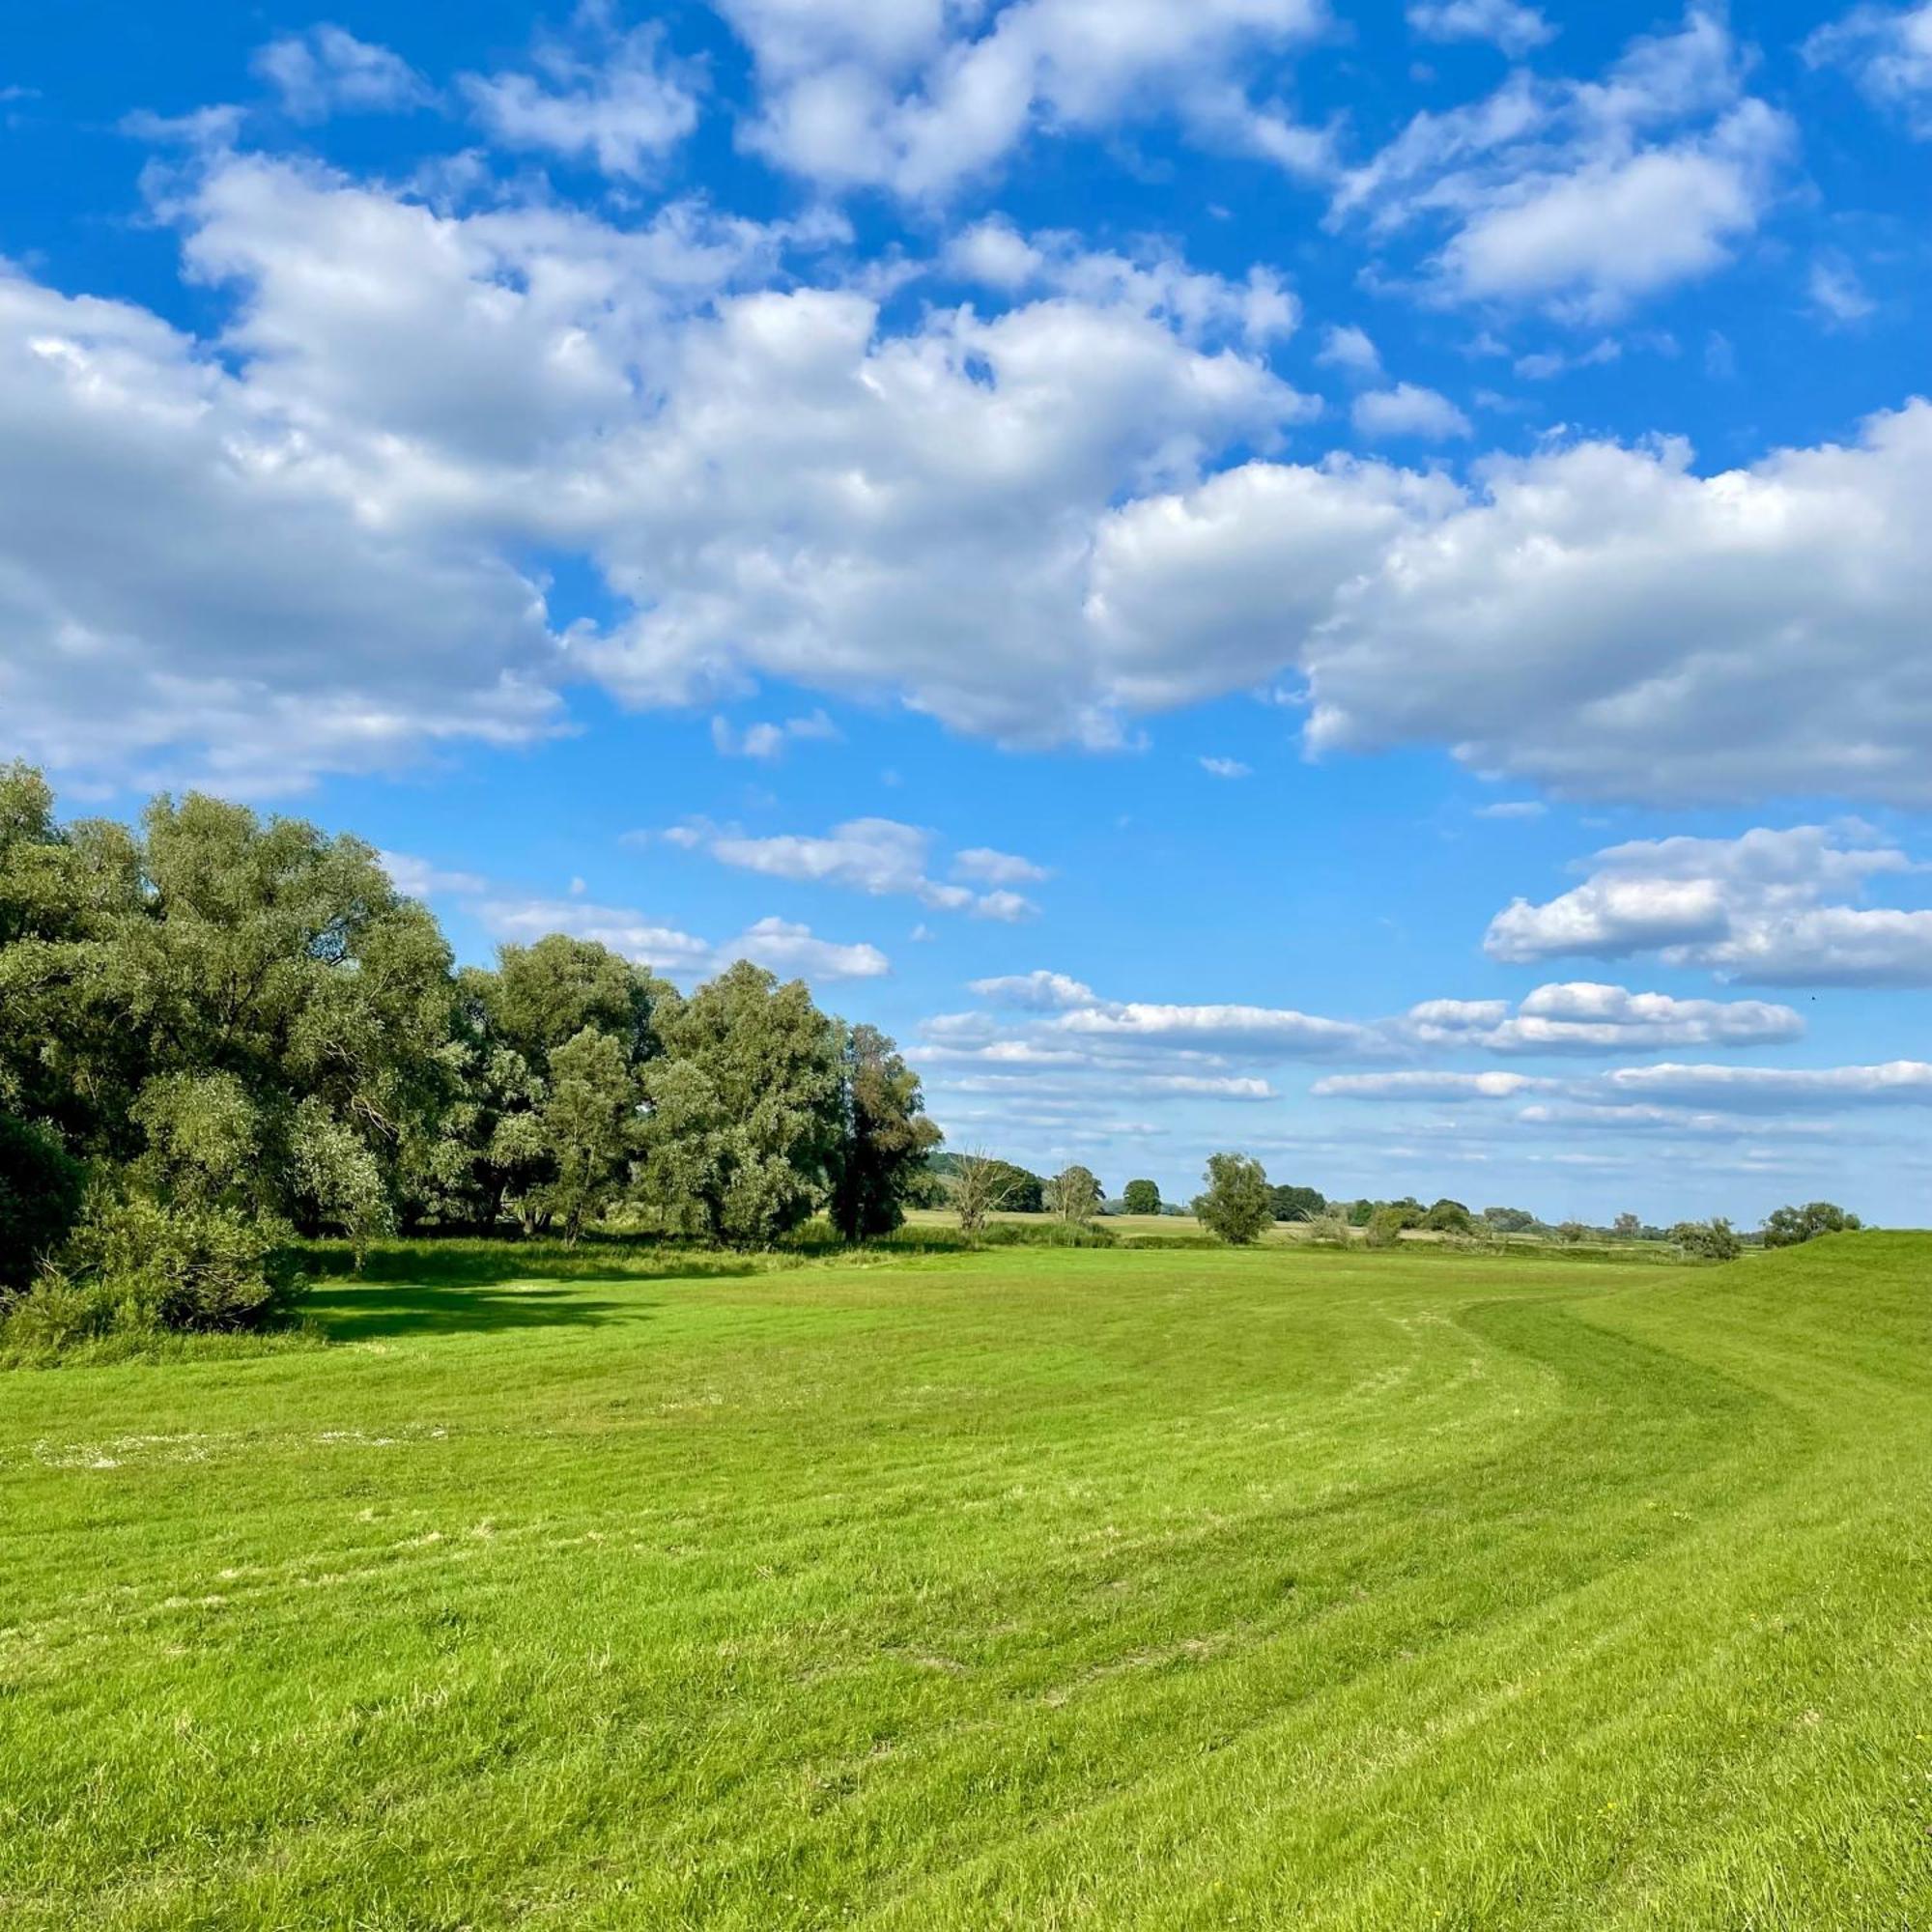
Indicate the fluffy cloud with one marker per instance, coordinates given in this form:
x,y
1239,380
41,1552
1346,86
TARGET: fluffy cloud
x,y
1774,1089
878,856
189,590
1199,307
1887,50
998,869
1012,521
1039,990
785,948
1058,1036
1589,616
767,740
920,96
518,919
615,105
1227,768
1584,196
1758,907
1432,1086
1584,1017
1350,349
1407,411
1514,28
327,71
1663,1098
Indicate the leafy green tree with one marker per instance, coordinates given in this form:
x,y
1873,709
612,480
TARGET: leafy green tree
x,y
1788,1227
886,1136
589,1118
1021,1191
1075,1195
40,1188
1711,1240
546,994
202,1136
1298,1204
1627,1228
491,1155
1449,1217
1238,1203
1361,1214
1141,1197
1571,1232
1510,1220
216,947
338,1180
745,1116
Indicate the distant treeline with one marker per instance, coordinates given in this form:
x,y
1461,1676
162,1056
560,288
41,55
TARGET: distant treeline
x,y
217,1029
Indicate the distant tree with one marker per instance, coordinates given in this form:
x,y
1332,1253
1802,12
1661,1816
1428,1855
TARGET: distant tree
x,y
1238,1204
1787,1227
886,1140
1449,1217
1075,1195
1510,1220
980,1187
40,1200
1024,1192
1712,1240
1141,1197
1387,1223
1627,1228
1361,1214
1298,1204
1328,1230
1571,1232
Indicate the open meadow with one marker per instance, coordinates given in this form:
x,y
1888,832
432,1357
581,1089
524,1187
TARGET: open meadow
x,y
1026,1587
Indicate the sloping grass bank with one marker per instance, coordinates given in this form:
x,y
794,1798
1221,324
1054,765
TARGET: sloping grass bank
x,y
1020,1588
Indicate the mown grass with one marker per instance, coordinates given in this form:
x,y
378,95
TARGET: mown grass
x,y
1027,1588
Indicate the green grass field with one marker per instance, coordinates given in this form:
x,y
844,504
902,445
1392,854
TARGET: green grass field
x,y
1031,1588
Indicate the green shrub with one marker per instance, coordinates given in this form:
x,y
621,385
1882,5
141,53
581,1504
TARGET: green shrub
x,y
1328,1230
40,1200
1047,1235
59,1313
1386,1223
1712,1240
1788,1227
193,1269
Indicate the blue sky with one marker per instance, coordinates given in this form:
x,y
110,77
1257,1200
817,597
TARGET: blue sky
x,y
1344,581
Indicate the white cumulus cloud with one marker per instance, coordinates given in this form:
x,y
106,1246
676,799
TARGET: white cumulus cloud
x,y
1768,906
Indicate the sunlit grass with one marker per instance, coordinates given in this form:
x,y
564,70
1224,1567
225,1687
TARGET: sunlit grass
x,y
1026,1588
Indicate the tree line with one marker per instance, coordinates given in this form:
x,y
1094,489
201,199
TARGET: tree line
x,y
217,1030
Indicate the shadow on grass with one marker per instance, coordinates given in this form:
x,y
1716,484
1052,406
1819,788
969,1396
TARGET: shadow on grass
x,y
374,1310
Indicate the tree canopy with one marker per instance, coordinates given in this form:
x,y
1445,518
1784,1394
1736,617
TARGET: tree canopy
x,y
238,1026
1236,1203
1787,1227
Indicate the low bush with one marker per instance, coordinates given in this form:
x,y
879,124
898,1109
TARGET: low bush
x,y
1047,1235
136,1271
194,1269
1386,1224
1712,1240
